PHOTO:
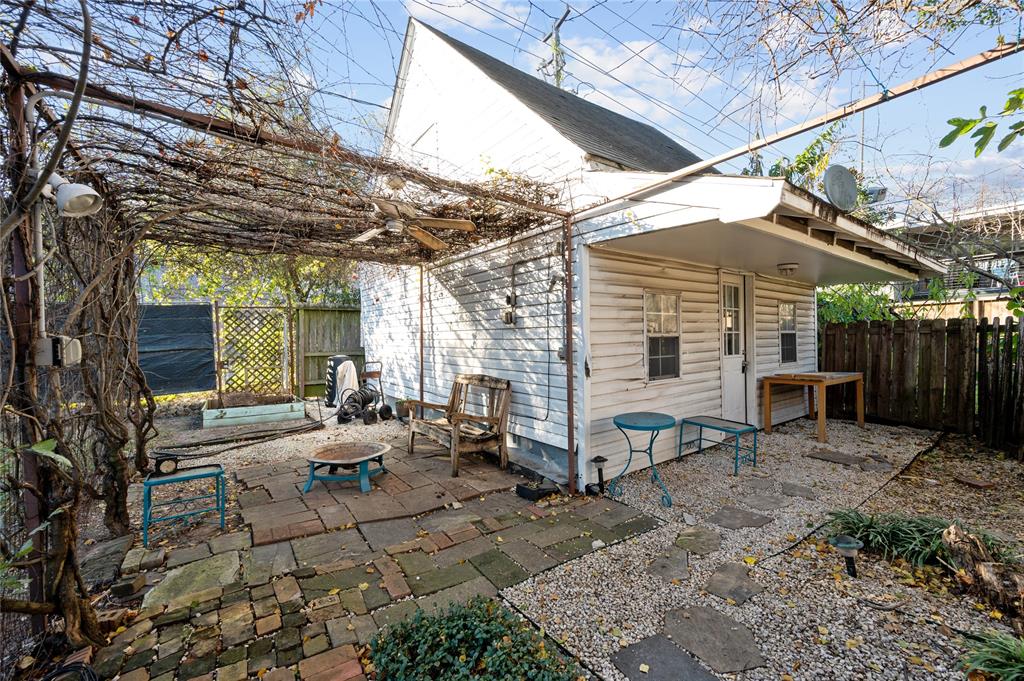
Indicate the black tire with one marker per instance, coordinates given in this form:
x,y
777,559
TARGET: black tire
x,y
385,413
369,417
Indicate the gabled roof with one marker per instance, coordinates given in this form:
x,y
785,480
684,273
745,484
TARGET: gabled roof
x,y
592,128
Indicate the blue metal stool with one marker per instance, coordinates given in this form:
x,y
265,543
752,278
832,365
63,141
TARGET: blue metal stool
x,y
215,471
648,422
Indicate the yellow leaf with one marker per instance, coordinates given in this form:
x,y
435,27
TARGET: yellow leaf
x,y
852,643
644,668
498,539
364,586
333,591
915,660
730,601
822,630
749,560
995,614
790,537
350,626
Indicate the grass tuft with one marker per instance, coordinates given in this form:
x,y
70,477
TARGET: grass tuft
x,y
915,539
996,654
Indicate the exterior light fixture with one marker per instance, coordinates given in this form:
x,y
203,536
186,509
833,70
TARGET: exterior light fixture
x,y
73,200
599,461
787,269
847,547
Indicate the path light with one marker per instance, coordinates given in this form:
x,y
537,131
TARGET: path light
x,y
847,547
600,461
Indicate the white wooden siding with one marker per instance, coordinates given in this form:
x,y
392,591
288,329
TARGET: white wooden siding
x,y
618,380
464,331
450,119
788,402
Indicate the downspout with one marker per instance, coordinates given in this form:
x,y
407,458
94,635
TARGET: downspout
x,y
569,369
422,274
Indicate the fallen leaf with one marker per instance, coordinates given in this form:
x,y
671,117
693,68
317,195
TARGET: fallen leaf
x,y
363,586
644,668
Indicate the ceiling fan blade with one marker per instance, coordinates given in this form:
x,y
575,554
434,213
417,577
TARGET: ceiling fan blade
x,y
448,223
387,208
425,238
368,234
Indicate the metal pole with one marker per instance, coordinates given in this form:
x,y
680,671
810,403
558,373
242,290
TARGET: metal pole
x,y
570,424
422,275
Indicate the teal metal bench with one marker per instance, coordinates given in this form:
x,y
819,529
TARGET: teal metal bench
x,y
735,428
182,475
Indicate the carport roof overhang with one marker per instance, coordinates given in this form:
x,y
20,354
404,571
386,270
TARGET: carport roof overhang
x,y
755,224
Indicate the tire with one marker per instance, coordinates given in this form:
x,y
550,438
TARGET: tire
x,y
385,413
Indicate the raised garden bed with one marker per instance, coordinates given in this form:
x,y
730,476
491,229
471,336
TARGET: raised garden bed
x,y
238,409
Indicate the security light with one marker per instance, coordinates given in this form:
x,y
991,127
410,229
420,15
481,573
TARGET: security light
x,y
74,200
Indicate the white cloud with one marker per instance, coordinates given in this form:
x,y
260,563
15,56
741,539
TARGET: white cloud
x,y
459,13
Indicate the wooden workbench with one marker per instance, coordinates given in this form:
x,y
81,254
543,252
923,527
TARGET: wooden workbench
x,y
820,380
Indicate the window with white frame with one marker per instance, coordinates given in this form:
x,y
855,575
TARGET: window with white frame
x,y
787,333
661,334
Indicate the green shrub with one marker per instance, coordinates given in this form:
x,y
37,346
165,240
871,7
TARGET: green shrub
x,y
916,539
999,655
479,640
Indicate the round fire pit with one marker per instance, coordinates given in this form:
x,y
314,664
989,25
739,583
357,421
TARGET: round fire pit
x,y
347,456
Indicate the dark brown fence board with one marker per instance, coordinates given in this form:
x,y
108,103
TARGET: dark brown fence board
x,y
959,375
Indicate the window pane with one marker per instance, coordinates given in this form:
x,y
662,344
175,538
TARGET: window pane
x,y
788,340
663,357
787,316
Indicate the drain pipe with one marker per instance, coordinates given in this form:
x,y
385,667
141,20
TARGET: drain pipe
x,y
569,368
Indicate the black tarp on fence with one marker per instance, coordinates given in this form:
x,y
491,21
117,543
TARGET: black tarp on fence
x,y
176,348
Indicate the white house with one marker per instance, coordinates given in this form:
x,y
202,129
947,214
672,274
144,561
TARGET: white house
x,y
683,299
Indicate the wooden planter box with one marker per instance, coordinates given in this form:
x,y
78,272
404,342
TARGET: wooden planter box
x,y
239,410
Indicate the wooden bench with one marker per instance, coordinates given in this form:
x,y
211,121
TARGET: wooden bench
x,y
461,431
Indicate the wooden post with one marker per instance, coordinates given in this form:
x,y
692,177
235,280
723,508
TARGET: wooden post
x,y
822,432
937,373
984,383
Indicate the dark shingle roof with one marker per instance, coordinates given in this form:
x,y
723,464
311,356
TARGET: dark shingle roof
x,y
593,128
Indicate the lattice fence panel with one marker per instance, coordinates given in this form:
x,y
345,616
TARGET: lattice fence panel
x,y
254,349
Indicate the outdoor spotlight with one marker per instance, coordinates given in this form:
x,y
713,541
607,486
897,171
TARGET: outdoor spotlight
x,y
847,547
788,269
74,200
600,461
876,194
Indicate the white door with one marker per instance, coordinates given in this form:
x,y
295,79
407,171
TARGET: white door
x,y
734,351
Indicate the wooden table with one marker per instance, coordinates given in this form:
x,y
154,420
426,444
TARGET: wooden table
x,y
819,380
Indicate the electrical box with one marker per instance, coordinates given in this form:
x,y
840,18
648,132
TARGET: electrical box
x,y
58,351
508,315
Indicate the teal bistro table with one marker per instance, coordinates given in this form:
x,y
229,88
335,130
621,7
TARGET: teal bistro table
x,y
186,507
651,423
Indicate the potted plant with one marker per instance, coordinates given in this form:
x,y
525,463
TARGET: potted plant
x,y
402,408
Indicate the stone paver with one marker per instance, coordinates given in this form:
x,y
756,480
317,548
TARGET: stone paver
x,y
442,578
735,518
833,456
662,659
759,484
699,540
673,566
235,541
792,489
499,569
100,564
387,532
324,548
722,643
532,559
206,575
765,502
732,581
187,555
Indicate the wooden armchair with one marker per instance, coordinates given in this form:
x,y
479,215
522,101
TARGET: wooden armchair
x,y
461,431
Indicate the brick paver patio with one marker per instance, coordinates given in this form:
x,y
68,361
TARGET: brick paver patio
x,y
305,584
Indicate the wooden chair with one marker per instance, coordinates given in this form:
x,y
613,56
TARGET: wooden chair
x,y
461,431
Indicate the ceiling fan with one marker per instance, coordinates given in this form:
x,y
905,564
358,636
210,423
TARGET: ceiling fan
x,y
402,218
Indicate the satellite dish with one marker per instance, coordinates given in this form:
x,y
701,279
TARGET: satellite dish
x,y
840,187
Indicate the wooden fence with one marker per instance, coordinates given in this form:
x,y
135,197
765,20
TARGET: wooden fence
x,y
960,375
319,333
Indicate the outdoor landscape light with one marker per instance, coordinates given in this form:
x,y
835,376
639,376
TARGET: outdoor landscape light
x,y
74,200
847,547
600,461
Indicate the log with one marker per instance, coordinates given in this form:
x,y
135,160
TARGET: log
x,y
1001,584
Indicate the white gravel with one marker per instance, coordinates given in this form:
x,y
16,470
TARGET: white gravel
x,y
597,603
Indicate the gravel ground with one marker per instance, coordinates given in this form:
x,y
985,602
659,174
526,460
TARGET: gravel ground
x,y
808,622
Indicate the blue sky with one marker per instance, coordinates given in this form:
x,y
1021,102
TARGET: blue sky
x,y
614,59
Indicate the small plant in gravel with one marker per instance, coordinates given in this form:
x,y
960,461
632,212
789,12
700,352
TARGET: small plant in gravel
x,y
996,655
479,640
916,539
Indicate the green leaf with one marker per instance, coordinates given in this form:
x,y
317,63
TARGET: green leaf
x,y
984,136
46,449
961,126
